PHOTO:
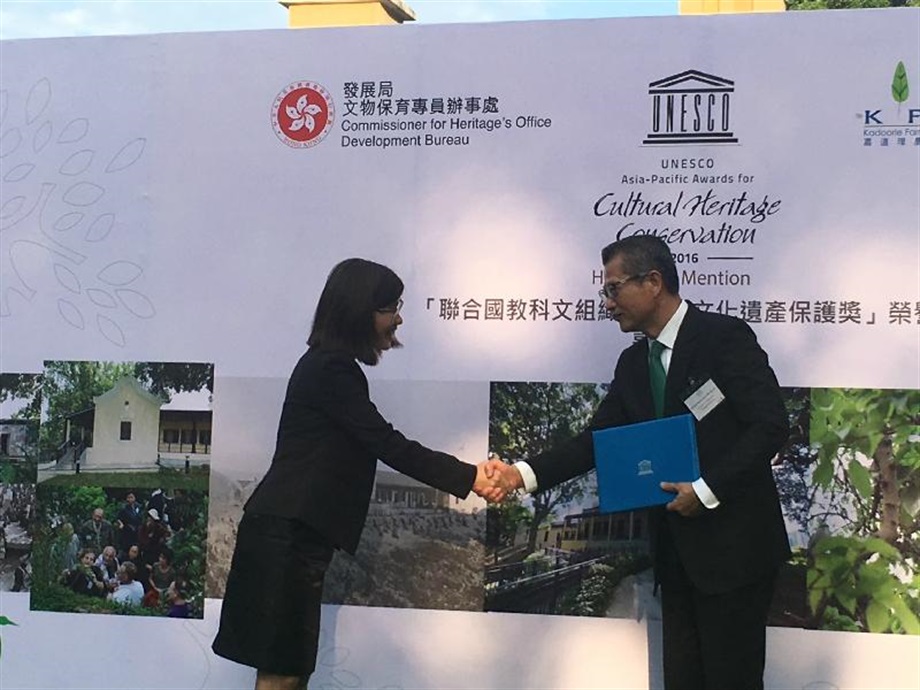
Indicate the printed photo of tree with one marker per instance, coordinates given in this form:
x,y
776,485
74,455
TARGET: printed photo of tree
x,y
554,552
863,511
20,410
791,472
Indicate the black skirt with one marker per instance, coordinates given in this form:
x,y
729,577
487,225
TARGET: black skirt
x,y
270,615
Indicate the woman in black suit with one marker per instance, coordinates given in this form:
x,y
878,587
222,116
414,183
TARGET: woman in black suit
x,y
315,496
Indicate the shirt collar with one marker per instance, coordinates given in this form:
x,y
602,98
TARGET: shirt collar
x,y
669,333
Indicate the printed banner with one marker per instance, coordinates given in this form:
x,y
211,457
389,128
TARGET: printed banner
x,y
171,206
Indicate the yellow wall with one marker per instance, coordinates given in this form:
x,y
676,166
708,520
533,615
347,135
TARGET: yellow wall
x,y
729,6
316,13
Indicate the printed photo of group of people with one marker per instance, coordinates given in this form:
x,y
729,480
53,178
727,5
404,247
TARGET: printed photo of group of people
x,y
133,551
104,481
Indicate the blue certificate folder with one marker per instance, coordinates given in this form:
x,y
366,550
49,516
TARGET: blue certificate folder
x,y
633,460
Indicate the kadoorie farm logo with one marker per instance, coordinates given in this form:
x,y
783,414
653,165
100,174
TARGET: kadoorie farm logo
x,y
302,114
888,127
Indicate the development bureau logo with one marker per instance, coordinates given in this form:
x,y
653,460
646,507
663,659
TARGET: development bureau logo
x,y
691,107
302,114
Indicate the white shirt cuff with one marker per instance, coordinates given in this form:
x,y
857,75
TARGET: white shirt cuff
x,y
527,474
704,493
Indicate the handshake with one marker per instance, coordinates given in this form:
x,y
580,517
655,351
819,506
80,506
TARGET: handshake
x,y
496,479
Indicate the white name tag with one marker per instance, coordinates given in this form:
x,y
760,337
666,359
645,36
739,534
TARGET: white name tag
x,y
704,399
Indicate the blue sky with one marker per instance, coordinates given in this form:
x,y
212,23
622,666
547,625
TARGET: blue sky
x,y
48,18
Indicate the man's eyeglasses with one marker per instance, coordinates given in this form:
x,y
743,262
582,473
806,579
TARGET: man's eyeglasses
x,y
611,290
393,309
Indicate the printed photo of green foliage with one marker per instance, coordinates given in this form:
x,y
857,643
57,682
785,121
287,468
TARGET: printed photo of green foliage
x,y
864,511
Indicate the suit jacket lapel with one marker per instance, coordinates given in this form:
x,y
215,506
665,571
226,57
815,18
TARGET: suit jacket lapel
x,y
638,383
678,370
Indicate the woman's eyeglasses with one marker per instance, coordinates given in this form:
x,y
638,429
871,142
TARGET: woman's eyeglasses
x,y
393,309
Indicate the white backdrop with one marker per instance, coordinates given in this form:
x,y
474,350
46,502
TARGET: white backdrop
x,y
150,212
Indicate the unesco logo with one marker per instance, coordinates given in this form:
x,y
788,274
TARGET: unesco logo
x,y
691,107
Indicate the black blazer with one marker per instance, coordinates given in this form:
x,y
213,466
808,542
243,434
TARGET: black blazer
x,y
329,439
744,539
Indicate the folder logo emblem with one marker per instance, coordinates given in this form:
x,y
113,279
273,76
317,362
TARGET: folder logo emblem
x,y
644,467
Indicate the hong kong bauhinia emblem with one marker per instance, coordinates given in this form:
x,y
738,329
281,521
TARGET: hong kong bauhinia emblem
x,y
302,114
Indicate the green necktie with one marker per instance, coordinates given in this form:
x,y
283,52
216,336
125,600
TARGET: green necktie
x,y
656,376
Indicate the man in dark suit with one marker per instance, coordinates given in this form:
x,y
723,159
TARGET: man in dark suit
x,y
718,544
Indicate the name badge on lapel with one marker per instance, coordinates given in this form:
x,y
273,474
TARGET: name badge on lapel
x,y
704,399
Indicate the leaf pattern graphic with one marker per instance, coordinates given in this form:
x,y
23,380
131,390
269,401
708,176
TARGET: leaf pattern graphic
x,y
33,120
900,89
127,156
346,679
302,103
71,313
120,273
101,298
10,141
296,125
24,211
136,303
310,122
37,100
19,173
83,194
74,131
110,330
312,110
77,163
100,228
68,221
11,207
42,136
292,112
67,279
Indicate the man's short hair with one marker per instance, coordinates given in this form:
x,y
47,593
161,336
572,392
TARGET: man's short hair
x,y
643,253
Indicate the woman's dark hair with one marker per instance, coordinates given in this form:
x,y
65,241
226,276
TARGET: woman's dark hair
x,y
344,319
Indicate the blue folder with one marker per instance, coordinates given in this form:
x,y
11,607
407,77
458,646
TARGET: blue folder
x,y
633,460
